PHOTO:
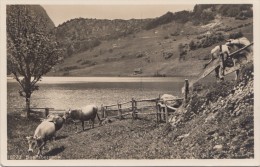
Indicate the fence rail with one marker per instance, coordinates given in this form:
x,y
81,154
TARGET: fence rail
x,y
162,109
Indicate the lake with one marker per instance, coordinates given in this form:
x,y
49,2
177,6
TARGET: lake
x,y
75,92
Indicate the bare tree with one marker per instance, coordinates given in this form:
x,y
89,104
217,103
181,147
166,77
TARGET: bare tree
x,y
31,50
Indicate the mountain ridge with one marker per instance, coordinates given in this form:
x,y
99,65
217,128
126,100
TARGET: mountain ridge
x,y
156,47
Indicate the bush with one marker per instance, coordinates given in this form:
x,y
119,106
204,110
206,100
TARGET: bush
x,y
192,45
79,60
222,89
139,55
206,40
181,17
90,63
166,37
167,55
110,50
69,68
85,62
236,35
175,33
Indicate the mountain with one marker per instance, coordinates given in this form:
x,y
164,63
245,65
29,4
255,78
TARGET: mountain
x,y
174,44
34,11
80,34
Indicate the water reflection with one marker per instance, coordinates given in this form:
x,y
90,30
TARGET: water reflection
x,y
75,94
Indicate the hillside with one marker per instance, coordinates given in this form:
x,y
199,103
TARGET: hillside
x,y
216,123
174,44
80,34
155,52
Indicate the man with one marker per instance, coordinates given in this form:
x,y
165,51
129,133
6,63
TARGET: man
x,y
220,52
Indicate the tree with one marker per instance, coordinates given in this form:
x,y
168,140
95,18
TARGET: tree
x,y
182,51
192,45
31,50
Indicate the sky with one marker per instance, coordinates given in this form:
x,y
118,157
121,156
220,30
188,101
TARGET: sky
x,y
62,13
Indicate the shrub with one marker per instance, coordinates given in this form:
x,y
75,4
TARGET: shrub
x,y
192,45
222,89
166,37
110,50
79,60
236,35
69,68
176,33
206,40
85,62
167,55
139,55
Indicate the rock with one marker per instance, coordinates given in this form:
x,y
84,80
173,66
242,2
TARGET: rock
x,y
183,136
23,115
106,121
211,117
211,132
237,109
250,132
216,135
218,147
209,138
230,106
234,148
238,113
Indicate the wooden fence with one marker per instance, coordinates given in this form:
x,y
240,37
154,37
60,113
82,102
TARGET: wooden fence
x,y
122,109
161,108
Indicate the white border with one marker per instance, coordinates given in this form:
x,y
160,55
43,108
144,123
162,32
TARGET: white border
x,y
182,162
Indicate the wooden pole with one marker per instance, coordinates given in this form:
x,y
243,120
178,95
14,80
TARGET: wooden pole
x,y
160,112
166,114
119,110
186,91
163,113
136,116
239,50
133,108
157,112
102,111
105,112
159,109
46,112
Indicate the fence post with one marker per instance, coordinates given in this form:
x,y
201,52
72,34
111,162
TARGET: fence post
x,y
157,111
136,116
160,111
133,108
102,111
163,112
186,91
46,112
119,110
105,112
166,114
223,65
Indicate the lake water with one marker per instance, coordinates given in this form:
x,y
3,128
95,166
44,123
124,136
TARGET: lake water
x,y
75,92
